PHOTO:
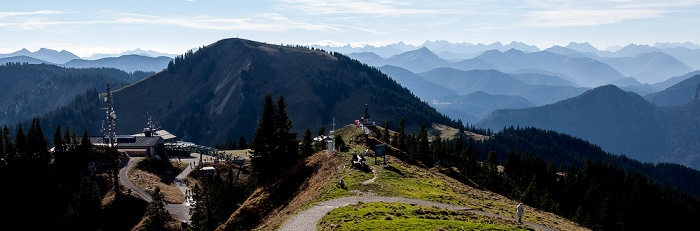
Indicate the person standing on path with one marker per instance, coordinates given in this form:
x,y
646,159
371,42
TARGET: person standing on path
x,y
521,212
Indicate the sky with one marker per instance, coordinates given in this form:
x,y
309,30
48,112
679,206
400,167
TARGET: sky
x,y
175,26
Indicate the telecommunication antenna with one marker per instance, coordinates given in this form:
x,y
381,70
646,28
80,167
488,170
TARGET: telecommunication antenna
x,y
111,117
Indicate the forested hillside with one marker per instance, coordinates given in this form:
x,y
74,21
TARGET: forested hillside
x,y
567,176
213,95
30,90
620,122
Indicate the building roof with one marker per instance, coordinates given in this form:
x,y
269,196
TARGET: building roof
x,y
162,133
129,141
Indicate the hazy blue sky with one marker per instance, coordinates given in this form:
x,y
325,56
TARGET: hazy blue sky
x,y
173,26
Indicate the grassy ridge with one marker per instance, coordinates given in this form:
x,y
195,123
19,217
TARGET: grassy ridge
x,y
398,216
398,179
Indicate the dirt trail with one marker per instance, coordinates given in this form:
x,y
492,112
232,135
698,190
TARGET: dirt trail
x,y
373,178
181,211
307,220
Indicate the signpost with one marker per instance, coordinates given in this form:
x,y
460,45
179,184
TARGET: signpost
x,y
380,150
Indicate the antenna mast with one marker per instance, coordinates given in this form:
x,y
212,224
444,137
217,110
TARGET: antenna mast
x,y
111,117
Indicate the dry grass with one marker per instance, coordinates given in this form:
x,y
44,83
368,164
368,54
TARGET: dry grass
x,y
316,180
148,181
447,132
174,224
273,204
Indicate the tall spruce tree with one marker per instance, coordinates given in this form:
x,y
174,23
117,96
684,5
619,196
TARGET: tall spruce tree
x,y
242,144
274,147
58,141
306,149
387,135
21,145
262,144
286,146
8,147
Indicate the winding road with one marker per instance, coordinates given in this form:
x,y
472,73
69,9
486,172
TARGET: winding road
x,y
308,219
181,211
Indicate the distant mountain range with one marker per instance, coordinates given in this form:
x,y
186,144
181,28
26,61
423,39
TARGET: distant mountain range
x,y
621,122
44,54
586,70
137,51
130,61
687,53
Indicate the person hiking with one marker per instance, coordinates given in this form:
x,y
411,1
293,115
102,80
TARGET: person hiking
x,y
521,212
342,183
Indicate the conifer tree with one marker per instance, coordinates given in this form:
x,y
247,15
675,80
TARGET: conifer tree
x,y
37,144
242,144
423,146
306,149
58,141
286,145
21,143
321,144
8,147
386,136
3,158
401,130
156,213
89,204
274,147
262,144
67,141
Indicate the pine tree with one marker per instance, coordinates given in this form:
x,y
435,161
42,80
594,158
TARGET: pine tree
x,y
89,204
306,149
274,147
262,144
37,144
402,135
8,148
387,136
158,217
287,144
67,141
321,144
242,144
424,146
21,144
58,141
3,158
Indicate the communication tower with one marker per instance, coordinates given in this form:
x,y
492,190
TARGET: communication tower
x,y
111,118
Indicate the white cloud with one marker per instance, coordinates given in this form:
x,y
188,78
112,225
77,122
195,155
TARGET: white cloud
x,y
572,18
259,22
381,8
40,12
572,13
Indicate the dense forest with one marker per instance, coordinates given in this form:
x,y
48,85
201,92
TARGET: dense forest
x,y
567,176
60,189
31,90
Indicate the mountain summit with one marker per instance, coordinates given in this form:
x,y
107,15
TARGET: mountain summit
x,y
216,93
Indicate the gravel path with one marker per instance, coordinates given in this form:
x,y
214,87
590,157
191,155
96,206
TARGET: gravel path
x,y
124,178
181,211
308,219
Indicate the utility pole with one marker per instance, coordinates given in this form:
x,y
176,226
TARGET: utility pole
x,y
111,118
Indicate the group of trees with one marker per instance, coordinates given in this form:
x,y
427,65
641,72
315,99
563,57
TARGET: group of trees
x,y
566,176
53,187
275,148
234,144
217,197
